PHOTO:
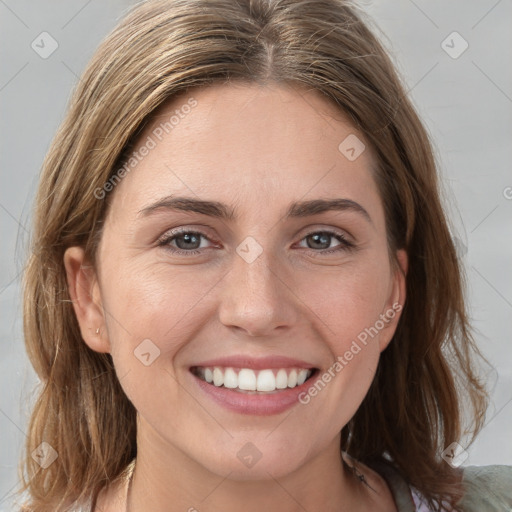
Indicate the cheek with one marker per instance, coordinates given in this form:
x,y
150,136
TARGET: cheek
x,y
153,302
349,307
151,313
156,309
349,302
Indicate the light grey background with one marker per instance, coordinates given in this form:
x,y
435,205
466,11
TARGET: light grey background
x,y
466,103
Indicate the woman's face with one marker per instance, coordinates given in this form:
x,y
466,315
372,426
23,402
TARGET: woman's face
x,y
249,269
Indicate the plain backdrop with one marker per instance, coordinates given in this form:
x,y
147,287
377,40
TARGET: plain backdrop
x,y
461,84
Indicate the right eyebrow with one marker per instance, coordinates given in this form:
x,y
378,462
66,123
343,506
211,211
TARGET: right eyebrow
x,y
190,204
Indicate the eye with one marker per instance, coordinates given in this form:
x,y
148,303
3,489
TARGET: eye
x,y
186,242
322,240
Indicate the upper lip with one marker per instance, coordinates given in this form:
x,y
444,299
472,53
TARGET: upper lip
x,y
255,363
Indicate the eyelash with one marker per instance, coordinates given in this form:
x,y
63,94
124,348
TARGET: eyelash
x,y
167,239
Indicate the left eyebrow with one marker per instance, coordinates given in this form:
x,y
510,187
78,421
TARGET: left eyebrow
x,y
316,206
298,209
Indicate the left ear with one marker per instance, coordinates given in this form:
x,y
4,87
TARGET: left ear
x,y
396,301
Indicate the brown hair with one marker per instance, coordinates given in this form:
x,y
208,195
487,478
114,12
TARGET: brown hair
x,y
163,48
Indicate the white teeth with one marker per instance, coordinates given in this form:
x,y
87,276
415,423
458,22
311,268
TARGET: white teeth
x,y
281,379
301,377
266,381
230,378
292,379
248,380
218,377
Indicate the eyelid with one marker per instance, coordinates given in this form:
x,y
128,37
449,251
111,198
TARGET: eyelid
x,y
328,229
175,232
170,235
346,243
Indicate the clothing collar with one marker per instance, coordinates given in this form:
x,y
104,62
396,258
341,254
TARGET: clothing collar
x,y
398,486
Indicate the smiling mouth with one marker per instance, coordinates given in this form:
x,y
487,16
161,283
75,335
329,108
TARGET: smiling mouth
x,y
247,380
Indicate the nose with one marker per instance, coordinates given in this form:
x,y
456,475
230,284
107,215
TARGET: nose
x,y
257,297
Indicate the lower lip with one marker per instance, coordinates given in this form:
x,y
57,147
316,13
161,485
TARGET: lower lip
x,y
264,404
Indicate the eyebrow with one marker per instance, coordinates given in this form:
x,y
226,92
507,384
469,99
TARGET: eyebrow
x,y
219,210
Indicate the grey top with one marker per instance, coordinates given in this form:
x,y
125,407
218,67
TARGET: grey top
x,y
488,489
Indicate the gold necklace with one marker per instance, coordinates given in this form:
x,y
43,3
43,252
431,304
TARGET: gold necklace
x,y
129,486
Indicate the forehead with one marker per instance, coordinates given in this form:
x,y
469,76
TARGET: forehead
x,y
250,145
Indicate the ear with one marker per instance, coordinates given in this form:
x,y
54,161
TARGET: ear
x,y
85,294
396,300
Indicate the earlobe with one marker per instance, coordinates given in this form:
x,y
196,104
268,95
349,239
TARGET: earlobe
x,y
396,301
85,294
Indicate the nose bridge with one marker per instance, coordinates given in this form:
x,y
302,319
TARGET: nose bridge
x,y
258,274
255,298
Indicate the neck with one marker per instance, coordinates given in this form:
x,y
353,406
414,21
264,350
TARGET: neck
x,y
165,479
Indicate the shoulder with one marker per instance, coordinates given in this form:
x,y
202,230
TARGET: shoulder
x,y
487,489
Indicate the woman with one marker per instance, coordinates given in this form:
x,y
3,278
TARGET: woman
x,y
243,291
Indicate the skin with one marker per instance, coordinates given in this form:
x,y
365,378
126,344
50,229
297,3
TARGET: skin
x,y
257,149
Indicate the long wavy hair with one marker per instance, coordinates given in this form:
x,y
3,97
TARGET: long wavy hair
x,y
427,392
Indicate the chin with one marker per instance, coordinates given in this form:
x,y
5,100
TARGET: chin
x,y
245,460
